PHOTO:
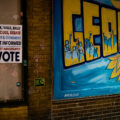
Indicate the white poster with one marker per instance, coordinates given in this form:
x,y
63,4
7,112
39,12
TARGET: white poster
x,y
10,44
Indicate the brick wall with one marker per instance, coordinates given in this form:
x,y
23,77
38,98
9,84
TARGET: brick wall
x,y
40,104
39,36
93,108
39,19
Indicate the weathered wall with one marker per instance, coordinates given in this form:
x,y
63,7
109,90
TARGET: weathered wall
x,y
10,14
14,113
10,74
96,108
40,104
39,26
39,18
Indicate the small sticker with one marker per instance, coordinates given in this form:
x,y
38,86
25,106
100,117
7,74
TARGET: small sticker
x,y
39,82
25,62
18,84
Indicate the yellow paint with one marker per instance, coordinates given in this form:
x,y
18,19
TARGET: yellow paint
x,y
69,62
116,3
71,7
108,15
115,65
119,31
91,10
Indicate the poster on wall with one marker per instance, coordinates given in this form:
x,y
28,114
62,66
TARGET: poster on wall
x,y
86,48
10,43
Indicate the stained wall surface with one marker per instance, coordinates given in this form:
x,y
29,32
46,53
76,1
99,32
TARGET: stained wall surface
x,y
41,104
10,74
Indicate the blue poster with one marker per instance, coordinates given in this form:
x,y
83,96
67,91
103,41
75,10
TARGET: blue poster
x,y
86,48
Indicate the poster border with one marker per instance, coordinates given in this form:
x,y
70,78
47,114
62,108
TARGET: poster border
x,y
58,52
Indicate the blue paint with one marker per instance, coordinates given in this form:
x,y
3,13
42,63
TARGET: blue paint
x,y
108,41
114,39
97,40
96,21
89,79
95,55
76,52
105,40
90,49
88,41
106,2
78,24
67,48
80,51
